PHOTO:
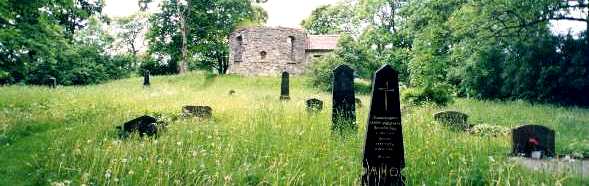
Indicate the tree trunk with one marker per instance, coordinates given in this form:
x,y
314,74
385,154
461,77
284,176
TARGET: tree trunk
x,y
183,65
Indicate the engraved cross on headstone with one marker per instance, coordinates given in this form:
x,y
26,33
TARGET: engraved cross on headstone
x,y
386,89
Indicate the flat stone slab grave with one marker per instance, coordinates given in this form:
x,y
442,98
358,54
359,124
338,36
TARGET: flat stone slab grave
x,y
383,158
576,167
203,112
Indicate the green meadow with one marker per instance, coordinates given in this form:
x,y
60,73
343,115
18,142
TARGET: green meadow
x,y
67,136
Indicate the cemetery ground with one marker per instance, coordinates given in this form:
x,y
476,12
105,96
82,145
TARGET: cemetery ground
x,y
67,136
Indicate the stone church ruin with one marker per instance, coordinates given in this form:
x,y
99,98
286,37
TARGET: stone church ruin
x,y
272,50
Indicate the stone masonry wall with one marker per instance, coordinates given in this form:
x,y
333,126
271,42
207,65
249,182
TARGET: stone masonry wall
x,y
267,51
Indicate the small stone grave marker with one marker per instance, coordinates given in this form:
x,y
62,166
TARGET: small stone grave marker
x,y
146,78
383,158
284,86
314,105
454,119
344,106
144,125
203,112
529,139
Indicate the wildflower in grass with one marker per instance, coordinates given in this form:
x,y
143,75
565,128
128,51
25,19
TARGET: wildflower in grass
x,y
227,178
491,159
131,172
108,173
124,160
179,143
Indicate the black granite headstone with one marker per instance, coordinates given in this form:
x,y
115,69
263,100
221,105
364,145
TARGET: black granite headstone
x,y
144,125
344,103
529,138
146,78
314,105
52,82
203,112
284,87
383,149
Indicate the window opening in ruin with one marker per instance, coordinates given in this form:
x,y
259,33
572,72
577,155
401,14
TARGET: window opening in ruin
x,y
291,42
263,54
239,50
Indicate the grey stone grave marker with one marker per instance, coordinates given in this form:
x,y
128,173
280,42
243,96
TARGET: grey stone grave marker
x,y
203,112
314,105
454,119
344,106
284,87
383,148
529,138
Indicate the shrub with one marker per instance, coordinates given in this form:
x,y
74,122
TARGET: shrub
x,y
439,95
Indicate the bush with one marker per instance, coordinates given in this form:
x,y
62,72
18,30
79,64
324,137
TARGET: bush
x,y
321,71
439,95
155,67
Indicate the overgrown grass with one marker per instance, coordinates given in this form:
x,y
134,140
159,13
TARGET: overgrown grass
x,y
67,135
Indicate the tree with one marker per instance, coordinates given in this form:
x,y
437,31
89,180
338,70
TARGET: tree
x,y
331,19
32,33
130,31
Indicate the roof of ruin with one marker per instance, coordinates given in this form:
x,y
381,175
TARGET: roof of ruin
x,y
322,42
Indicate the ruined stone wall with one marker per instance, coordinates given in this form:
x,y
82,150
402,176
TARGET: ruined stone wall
x,y
267,51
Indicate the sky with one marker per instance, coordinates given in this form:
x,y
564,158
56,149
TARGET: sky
x,y
290,13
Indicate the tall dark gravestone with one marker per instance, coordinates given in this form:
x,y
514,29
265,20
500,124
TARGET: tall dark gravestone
x,y
284,87
383,148
529,138
146,78
344,100
52,82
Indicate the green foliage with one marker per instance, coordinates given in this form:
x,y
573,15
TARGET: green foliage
x,y
61,39
439,95
331,19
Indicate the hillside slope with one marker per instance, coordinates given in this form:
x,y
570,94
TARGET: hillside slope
x,y
67,135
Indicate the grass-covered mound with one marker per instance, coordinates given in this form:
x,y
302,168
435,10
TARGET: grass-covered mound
x,y
67,135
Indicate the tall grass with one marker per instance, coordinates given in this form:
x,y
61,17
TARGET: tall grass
x,y
67,135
